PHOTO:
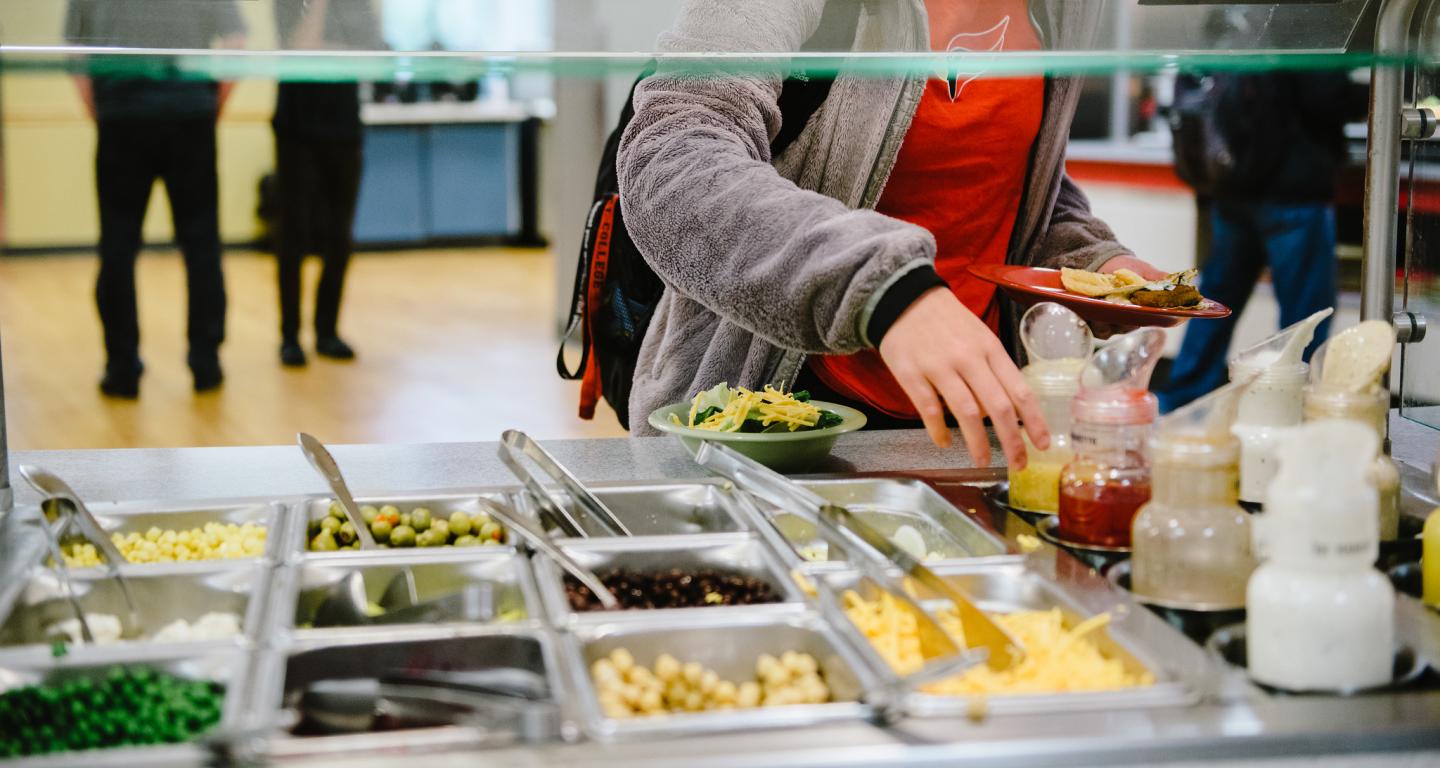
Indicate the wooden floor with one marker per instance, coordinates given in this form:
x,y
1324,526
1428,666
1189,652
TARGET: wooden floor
x,y
453,345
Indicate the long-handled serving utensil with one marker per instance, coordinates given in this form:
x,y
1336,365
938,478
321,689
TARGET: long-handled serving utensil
x,y
70,510
514,445
537,539
324,463
980,630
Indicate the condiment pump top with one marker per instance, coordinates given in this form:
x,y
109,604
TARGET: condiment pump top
x,y
1114,383
1057,344
1283,353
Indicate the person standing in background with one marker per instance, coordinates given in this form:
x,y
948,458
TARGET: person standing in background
x,y
318,150
1267,149
148,129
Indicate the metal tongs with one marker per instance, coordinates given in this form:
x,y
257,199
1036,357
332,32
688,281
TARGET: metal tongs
x,y
877,553
324,463
537,539
513,445
69,511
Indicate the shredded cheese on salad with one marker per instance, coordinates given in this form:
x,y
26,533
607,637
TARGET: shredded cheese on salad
x,y
723,409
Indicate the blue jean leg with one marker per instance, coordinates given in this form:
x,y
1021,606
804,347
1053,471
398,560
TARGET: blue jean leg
x,y
1300,248
1237,256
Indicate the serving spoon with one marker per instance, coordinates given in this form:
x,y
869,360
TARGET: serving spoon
x,y
324,464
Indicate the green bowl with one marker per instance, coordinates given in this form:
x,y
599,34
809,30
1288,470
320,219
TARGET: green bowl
x,y
780,451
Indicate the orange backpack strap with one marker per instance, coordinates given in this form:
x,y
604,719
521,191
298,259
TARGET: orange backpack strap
x,y
590,387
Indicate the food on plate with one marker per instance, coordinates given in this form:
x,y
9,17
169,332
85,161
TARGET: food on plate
x,y
627,688
106,629
673,588
119,707
215,541
418,527
722,409
1125,287
1057,658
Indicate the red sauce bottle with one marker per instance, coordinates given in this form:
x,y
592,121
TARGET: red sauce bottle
x,y
1107,482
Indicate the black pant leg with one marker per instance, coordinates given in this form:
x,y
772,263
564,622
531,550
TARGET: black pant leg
x,y
124,174
340,180
290,241
192,183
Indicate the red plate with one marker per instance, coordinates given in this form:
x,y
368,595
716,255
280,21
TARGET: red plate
x,y
1031,285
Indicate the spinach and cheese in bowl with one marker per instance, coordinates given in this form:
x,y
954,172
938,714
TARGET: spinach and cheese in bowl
x,y
788,432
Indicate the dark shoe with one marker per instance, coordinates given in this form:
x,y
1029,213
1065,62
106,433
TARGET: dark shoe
x,y
333,347
205,367
120,386
122,381
291,355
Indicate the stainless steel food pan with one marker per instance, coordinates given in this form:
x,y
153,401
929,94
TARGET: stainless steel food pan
x,y
438,504
729,644
436,576
229,666
163,594
738,553
358,654
1140,641
661,509
886,504
140,517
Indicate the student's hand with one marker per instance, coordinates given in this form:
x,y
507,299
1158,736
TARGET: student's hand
x,y
946,357
1142,268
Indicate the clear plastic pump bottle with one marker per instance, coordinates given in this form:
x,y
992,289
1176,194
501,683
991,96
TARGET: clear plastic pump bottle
x,y
1057,343
1273,402
1192,540
1108,481
1345,376
1319,617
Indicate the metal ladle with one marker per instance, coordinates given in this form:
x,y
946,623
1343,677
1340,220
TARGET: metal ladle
x,y
70,509
324,463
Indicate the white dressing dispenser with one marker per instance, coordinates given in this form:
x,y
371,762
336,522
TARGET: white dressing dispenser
x,y
1273,403
1345,383
1192,539
1057,343
1319,617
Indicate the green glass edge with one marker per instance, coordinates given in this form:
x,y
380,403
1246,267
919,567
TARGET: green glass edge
x,y
460,66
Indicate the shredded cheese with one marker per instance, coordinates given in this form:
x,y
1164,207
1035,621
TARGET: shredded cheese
x,y
770,406
1056,659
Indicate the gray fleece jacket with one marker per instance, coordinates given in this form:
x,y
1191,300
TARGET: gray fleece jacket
x,y
768,259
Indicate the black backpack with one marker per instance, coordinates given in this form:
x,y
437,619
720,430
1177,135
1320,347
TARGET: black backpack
x,y
616,291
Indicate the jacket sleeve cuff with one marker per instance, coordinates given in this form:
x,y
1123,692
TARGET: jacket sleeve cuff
x,y
898,297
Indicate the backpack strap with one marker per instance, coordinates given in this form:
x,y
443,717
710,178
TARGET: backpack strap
x,y
590,387
577,314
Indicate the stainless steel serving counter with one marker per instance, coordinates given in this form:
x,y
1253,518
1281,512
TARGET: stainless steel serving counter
x,y
1234,721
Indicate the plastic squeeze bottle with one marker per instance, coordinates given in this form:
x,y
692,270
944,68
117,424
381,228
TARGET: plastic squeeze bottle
x,y
1057,343
1345,383
1106,483
1274,401
1318,615
1192,540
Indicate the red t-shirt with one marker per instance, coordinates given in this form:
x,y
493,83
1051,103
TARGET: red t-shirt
x,y
960,173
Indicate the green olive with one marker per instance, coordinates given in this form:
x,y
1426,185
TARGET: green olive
x,y
459,524
331,524
441,529
346,534
491,530
381,530
467,541
489,543
324,542
424,539
390,510
420,518
369,513
402,536
406,520
337,511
